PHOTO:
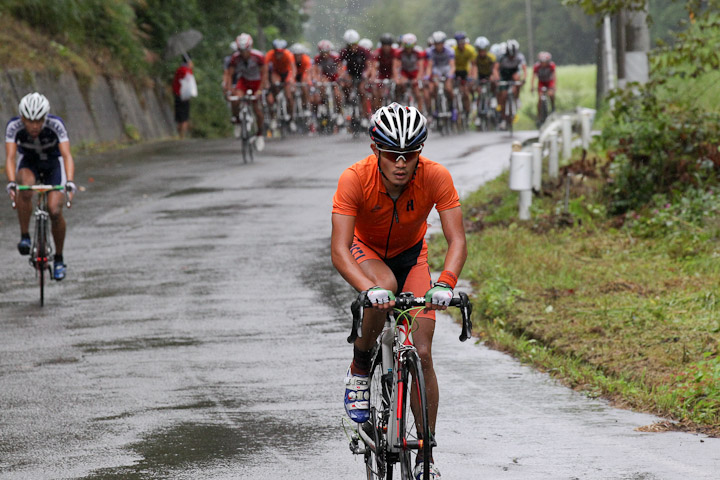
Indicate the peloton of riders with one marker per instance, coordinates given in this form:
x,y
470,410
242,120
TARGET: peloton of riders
x,y
395,69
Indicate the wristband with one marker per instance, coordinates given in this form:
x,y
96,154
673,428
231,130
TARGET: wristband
x,y
448,278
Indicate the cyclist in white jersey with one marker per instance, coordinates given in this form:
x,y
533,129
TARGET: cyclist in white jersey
x,y
440,66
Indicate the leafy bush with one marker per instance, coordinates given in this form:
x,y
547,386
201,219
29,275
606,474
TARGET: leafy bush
x,y
660,139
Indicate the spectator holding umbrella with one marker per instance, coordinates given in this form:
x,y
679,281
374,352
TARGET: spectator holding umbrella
x,y
184,88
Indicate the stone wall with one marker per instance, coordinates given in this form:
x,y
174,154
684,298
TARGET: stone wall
x,y
107,110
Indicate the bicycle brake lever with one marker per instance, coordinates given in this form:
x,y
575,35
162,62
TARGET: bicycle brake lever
x,y
357,309
465,311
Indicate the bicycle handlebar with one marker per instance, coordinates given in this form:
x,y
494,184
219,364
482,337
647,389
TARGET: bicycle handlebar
x,y
405,301
42,189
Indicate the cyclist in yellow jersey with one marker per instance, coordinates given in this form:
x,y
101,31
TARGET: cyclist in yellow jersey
x,y
464,56
484,64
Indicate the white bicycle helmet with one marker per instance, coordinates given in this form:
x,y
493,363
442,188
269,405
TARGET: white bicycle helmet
x,y
244,41
366,43
512,47
409,39
439,37
544,56
233,46
399,128
451,43
34,106
325,45
298,49
351,36
482,43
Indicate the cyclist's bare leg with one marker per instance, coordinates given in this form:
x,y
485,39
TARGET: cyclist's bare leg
x,y
374,320
23,200
449,89
290,97
338,99
419,97
57,221
260,119
423,331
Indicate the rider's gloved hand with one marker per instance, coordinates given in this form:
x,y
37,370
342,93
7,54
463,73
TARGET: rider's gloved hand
x,y
11,188
380,296
70,187
440,294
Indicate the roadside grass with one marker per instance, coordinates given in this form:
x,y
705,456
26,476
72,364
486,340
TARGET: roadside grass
x,y
629,318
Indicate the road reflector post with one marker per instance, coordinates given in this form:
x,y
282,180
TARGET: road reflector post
x,y
521,181
585,121
553,158
567,136
537,149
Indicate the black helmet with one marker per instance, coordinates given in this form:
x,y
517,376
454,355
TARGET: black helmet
x,y
386,39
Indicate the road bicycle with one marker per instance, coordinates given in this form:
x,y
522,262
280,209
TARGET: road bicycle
x,y
281,112
41,252
245,128
397,432
300,113
544,107
355,105
461,116
326,108
443,115
486,112
387,91
511,106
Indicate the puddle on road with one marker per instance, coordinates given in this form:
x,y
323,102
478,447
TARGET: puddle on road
x,y
135,344
204,446
192,191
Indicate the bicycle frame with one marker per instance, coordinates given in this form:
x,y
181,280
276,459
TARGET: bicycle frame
x,y
399,360
41,250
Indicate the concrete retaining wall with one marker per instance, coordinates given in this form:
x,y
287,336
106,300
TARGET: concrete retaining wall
x,y
109,109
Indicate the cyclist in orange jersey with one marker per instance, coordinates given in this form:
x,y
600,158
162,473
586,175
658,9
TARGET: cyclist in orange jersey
x,y
303,65
281,65
379,223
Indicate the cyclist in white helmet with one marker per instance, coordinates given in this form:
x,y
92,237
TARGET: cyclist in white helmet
x,y
393,190
37,149
508,69
440,69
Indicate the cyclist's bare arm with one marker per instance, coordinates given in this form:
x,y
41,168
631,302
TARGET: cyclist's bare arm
x,y
343,228
452,68
64,148
227,78
264,77
10,153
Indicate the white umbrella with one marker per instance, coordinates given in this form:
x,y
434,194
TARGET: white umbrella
x,y
180,43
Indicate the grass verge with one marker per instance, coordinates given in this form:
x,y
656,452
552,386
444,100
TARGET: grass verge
x,y
630,318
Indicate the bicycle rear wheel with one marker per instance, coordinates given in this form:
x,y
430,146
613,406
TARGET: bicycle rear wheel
x,y
414,422
379,387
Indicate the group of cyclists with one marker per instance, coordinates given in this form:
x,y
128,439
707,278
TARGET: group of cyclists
x,y
334,88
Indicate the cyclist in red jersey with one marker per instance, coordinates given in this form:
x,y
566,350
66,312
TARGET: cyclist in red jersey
x,y
379,224
252,74
327,68
412,61
544,70
385,68
281,66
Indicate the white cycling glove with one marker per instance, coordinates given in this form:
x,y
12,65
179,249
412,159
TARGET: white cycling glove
x,y
70,187
11,188
378,295
440,294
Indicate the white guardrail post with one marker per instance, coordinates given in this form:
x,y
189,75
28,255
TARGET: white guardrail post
x,y
566,137
537,151
553,161
521,181
585,123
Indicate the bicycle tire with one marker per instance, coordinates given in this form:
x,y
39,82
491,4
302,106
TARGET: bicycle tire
x,y
376,465
40,252
543,110
511,113
413,385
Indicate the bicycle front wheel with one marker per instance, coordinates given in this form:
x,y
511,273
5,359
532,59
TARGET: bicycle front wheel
x,y
41,260
414,430
379,387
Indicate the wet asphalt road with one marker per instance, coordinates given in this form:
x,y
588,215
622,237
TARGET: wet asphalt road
x,y
201,334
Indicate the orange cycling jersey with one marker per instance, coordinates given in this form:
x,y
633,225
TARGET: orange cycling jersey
x,y
389,226
281,62
303,66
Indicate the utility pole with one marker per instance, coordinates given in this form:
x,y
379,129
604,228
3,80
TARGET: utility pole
x,y
531,42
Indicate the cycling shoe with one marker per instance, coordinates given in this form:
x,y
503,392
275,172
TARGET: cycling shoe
x,y
59,270
357,397
434,472
24,246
